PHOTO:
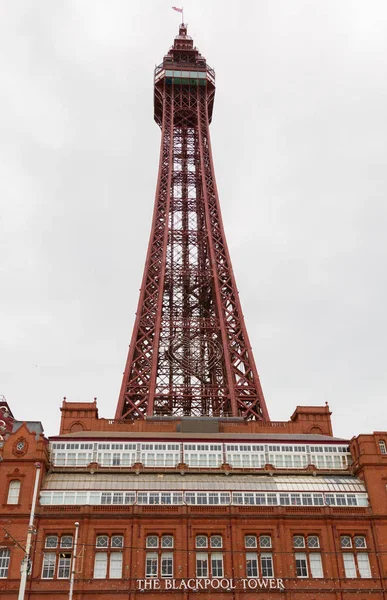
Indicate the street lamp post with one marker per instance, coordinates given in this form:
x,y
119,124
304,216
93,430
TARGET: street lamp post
x,y
24,568
72,576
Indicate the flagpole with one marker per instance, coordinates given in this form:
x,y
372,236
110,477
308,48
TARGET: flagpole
x,y
182,15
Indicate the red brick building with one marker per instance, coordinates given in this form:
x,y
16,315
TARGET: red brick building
x,y
187,507
196,499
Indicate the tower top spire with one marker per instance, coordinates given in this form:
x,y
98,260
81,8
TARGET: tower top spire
x,y
183,31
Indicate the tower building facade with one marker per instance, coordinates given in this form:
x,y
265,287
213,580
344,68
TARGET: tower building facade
x,y
191,490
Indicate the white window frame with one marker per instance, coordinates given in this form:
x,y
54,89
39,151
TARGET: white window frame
x,y
363,565
301,556
64,565
252,565
265,559
115,565
14,491
315,563
151,565
204,539
48,565
349,565
217,567
166,566
203,558
382,447
100,565
251,541
5,557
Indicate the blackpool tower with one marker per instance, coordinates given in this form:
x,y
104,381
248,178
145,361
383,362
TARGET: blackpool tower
x,y
189,354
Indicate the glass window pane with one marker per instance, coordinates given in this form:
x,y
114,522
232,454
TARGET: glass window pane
x,y
216,541
167,541
51,541
201,541
115,567
13,492
345,541
265,541
364,564
117,541
66,541
151,564
360,541
48,569
201,564
167,564
313,541
4,562
301,565
349,564
250,541
267,564
152,541
217,564
316,564
251,564
100,565
102,541
64,566
298,541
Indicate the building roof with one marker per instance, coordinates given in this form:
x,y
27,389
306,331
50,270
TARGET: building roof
x,y
128,435
197,482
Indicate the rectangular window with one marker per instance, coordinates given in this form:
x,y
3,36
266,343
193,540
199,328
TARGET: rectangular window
x,y
152,541
382,447
117,541
115,566
251,564
51,541
66,541
216,541
250,541
167,564
360,541
13,492
102,541
267,565
313,541
316,564
167,541
301,565
217,564
363,564
151,564
64,566
201,564
4,562
349,564
49,560
298,541
345,541
201,541
264,541
100,565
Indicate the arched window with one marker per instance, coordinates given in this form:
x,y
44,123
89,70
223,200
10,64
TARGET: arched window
x,y
13,492
382,447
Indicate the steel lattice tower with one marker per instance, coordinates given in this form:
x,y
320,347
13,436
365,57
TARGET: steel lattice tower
x,y
190,354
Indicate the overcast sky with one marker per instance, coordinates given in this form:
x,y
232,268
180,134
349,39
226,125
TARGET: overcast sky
x,y
299,139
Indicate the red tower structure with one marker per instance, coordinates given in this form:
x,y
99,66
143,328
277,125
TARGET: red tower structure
x,y
190,354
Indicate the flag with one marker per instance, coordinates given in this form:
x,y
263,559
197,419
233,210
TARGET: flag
x,y
180,10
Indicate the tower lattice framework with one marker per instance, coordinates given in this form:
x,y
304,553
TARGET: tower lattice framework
x,y
190,354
